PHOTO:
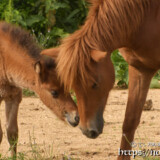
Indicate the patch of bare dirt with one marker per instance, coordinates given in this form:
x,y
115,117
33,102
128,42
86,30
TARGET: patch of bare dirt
x,y
35,120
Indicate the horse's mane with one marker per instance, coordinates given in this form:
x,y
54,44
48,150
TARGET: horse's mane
x,y
107,21
22,38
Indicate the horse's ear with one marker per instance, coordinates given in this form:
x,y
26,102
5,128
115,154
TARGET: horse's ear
x,y
98,55
52,52
38,67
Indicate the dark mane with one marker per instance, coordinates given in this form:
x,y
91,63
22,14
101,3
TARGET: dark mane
x,y
23,38
27,42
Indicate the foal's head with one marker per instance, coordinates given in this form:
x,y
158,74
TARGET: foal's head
x,y
92,96
52,93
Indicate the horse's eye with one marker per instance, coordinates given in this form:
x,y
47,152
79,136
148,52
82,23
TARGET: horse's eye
x,y
95,85
54,94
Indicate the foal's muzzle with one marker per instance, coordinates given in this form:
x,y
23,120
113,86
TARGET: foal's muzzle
x,y
72,118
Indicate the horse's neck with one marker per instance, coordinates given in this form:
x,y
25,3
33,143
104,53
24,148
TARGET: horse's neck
x,y
19,70
110,24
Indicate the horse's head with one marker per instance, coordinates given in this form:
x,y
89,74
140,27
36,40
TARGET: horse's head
x,y
52,93
92,98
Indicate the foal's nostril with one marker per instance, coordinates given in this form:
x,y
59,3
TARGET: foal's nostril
x,y
77,119
93,134
72,119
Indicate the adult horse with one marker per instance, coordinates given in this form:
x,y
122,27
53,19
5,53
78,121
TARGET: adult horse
x,y
134,27
22,66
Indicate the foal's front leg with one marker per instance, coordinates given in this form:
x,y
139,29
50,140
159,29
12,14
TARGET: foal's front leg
x,y
139,81
1,133
12,105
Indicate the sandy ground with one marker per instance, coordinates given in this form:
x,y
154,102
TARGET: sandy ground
x,y
45,129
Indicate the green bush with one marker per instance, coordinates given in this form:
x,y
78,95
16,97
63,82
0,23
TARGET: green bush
x,y
28,93
48,20
121,69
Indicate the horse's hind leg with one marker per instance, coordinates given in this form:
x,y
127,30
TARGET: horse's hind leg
x,y
139,81
12,105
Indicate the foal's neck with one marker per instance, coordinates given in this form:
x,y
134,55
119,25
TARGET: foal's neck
x,y
20,69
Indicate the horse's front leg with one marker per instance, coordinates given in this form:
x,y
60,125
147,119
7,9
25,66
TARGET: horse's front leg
x,y
12,105
139,81
1,133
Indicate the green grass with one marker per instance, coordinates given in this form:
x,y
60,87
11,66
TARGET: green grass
x,y
37,156
143,147
28,93
37,152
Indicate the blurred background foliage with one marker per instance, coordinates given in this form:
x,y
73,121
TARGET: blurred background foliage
x,y
48,20
51,20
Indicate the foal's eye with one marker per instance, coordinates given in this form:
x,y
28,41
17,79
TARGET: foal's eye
x,y
95,85
54,94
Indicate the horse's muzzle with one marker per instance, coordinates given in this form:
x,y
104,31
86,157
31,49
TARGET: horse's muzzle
x,y
94,127
91,133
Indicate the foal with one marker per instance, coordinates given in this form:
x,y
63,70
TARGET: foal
x,y
22,66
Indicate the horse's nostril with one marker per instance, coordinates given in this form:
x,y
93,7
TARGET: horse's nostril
x,y
93,134
77,119
90,133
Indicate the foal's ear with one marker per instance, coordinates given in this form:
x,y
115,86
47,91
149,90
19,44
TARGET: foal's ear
x,y
38,67
52,52
98,55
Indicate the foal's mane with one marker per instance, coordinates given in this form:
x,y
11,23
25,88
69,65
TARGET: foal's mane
x,y
22,38
108,22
